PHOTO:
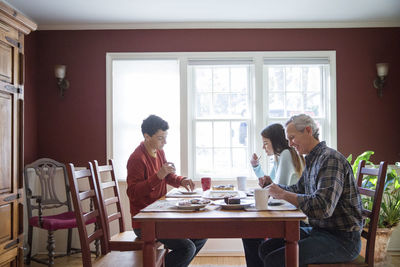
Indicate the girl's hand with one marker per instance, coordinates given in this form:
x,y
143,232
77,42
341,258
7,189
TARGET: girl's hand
x,y
254,161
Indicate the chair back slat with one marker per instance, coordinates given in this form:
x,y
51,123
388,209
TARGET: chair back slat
x,y
91,215
83,216
106,185
372,214
110,201
86,194
114,216
366,191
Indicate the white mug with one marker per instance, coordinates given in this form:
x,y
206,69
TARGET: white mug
x,y
261,198
241,182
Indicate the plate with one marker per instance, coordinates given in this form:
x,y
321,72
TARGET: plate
x,y
185,192
220,194
275,202
190,206
243,204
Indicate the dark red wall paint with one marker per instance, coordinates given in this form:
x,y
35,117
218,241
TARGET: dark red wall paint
x,y
30,99
74,128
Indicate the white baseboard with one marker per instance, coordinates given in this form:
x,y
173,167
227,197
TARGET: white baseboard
x,y
221,254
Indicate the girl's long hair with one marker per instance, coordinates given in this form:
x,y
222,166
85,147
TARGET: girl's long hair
x,y
276,133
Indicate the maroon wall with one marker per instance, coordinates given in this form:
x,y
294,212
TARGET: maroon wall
x,y
74,128
30,97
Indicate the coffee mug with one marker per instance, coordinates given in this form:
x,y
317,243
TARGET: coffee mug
x,y
206,183
261,198
241,182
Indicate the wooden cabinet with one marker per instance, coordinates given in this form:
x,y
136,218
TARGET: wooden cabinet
x,y
13,27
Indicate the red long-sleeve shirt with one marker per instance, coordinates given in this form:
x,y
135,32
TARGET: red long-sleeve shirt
x,y
144,186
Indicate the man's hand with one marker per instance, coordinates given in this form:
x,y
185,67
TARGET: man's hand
x,y
264,181
187,183
276,192
167,168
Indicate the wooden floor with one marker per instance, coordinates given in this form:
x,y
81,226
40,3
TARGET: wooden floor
x,y
75,261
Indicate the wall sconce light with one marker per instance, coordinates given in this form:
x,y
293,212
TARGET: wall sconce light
x,y
382,70
62,82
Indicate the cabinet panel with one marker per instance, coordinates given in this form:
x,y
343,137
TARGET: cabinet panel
x,y
6,142
5,229
6,60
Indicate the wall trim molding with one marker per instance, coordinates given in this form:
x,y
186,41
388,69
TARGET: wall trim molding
x,y
223,25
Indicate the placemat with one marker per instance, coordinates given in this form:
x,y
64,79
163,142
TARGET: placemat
x,y
285,206
165,205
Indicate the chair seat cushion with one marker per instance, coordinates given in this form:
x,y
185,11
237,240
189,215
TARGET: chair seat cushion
x,y
64,220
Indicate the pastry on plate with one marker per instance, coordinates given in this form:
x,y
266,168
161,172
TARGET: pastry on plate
x,y
223,187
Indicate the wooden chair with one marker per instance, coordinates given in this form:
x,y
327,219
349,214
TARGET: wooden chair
x,y
114,258
123,240
373,215
41,184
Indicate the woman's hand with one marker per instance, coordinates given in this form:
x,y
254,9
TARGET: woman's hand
x,y
166,168
187,183
254,161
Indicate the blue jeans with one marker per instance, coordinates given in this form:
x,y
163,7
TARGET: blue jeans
x,y
182,251
315,246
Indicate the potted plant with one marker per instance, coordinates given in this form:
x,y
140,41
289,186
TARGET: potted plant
x,y
389,215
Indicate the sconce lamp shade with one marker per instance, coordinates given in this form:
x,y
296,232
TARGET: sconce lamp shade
x,y
382,69
62,82
59,71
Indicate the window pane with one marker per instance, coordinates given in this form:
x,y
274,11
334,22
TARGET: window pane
x,y
276,105
239,134
294,103
203,104
293,79
239,79
203,78
312,104
222,134
239,105
312,79
221,104
276,78
239,161
204,161
221,79
134,89
204,134
222,160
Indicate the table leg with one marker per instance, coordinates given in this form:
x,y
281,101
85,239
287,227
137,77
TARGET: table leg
x,y
149,247
292,237
292,254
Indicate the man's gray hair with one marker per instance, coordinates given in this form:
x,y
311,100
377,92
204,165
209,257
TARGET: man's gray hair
x,y
301,121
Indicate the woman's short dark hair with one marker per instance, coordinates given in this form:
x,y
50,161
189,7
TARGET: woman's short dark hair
x,y
276,133
152,124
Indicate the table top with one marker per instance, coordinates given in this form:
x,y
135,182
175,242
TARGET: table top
x,y
217,214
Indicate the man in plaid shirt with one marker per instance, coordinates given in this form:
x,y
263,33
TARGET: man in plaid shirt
x,y
327,193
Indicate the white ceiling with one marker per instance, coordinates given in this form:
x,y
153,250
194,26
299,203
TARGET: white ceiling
x,y
107,14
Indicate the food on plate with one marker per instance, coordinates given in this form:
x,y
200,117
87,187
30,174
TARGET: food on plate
x,y
194,201
232,200
223,187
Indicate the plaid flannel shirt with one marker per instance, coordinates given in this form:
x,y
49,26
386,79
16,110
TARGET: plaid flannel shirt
x,y
327,191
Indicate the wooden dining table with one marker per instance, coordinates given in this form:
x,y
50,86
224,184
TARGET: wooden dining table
x,y
220,223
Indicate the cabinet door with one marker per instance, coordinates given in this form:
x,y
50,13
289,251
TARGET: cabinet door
x,y
9,197
10,151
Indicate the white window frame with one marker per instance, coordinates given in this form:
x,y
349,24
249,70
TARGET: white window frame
x,y
258,97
